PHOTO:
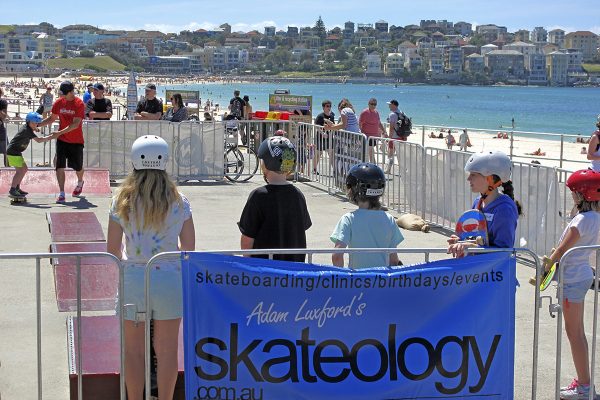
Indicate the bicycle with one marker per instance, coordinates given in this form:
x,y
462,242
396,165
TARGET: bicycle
x,y
237,157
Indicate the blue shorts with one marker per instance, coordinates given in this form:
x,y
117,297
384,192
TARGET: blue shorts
x,y
166,295
575,292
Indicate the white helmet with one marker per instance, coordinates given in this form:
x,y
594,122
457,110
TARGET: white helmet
x,y
490,163
150,152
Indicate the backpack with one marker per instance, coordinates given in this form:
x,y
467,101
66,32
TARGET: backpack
x,y
403,124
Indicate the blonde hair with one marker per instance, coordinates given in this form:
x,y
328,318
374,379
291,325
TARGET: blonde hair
x,y
584,206
149,193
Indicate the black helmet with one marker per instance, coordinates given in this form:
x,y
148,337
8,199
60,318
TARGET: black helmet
x,y
366,180
278,154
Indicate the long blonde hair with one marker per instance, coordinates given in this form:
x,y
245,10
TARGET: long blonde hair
x,y
149,193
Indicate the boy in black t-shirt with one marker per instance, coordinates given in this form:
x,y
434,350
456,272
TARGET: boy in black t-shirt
x,y
150,107
275,215
323,138
15,150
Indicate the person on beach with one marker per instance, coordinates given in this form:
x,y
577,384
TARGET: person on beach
x,y
150,108
368,226
393,117
3,134
343,143
578,276
463,140
370,124
236,105
178,112
275,215
153,217
46,101
487,172
593,150
16,147
450,141
98,107
69,110
87,96
322,138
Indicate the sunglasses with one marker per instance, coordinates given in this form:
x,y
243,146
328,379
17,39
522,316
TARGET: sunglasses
x,y
372,104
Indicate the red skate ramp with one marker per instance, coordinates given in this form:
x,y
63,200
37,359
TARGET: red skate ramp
x,y
99,278
75,227
100,363
42,181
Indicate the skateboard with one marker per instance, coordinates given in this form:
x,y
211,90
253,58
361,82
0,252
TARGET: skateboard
x,y
17,199
472,227
546,278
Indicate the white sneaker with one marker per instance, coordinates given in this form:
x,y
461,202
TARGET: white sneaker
x,y
579,392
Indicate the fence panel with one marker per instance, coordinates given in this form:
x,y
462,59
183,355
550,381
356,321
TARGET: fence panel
x,y
38,257
198,152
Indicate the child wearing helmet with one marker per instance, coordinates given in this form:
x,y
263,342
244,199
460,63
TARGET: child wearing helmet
x,y
582,230
488,171
275,215
153,217
15,149
368,226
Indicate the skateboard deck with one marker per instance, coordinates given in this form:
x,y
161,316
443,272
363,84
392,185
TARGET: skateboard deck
x,y
17,199
546,278
472,227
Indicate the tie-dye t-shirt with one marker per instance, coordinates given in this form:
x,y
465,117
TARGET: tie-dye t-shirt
x,y
141,246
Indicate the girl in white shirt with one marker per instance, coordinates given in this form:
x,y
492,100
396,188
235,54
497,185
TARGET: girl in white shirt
x,y
583,230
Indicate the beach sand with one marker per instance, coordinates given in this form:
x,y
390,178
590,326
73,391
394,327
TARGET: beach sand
x,y
17,91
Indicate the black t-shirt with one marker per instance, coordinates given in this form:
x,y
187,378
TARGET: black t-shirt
x,y
19,143
237,107
3,137
276,217
98,105
151,106
320,119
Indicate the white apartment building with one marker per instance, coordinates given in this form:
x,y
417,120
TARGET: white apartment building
x,y
557,36
373,62
527,49
394,64
557,67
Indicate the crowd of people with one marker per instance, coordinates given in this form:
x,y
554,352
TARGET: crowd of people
x,y
151,216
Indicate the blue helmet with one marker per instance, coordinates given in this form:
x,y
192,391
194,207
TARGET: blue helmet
x,y
33,117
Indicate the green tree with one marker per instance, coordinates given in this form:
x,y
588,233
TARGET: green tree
x,y
320,29
340,54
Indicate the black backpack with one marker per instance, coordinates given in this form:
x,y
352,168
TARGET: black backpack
x,y
403,124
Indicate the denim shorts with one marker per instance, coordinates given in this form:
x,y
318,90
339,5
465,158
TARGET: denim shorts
x,y
165,292
575,292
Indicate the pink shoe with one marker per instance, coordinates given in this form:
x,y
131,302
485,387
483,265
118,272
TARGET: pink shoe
x,y
60,198
571,386
78,189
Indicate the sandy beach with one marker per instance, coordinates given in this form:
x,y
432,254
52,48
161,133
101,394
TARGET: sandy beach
x,y
524,146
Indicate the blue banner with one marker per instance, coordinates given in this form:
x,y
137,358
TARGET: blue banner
x,y
273,330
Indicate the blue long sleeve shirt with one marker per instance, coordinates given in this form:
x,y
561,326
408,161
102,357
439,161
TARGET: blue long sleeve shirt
x,y
502,216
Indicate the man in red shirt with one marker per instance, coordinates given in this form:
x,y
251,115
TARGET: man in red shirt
x,y
370,124
69,110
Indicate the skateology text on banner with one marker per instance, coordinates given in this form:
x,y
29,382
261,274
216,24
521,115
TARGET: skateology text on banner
x,y
263,329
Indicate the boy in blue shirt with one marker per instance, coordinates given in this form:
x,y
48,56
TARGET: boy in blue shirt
x,y
368,226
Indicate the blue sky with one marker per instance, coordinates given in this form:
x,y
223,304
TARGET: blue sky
x,y
174,16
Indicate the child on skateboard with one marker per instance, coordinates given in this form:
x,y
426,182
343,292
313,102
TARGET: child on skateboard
x,y
583,230
368,226
487,172
16,147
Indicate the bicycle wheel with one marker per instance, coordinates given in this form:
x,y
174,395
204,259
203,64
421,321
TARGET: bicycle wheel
x,y
250,161
234,164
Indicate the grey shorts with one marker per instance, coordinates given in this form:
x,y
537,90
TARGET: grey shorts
x,y
575,292
166,295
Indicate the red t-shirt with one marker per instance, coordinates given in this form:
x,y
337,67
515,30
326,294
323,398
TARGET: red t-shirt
x,y
67,111
369,122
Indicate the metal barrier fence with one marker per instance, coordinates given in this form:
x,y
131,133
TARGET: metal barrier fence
x,y
559,311
175,257
338,152
38,301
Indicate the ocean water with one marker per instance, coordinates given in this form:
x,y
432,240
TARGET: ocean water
x,y
534,109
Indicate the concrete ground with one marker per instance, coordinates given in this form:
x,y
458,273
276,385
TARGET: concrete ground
x,y
216,209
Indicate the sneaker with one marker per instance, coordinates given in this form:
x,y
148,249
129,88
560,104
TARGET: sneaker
x,y
60,198
24,193
78,189
14,192
571,385
579,392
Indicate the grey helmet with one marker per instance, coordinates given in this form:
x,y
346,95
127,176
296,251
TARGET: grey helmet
x,y
278,154
490,163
